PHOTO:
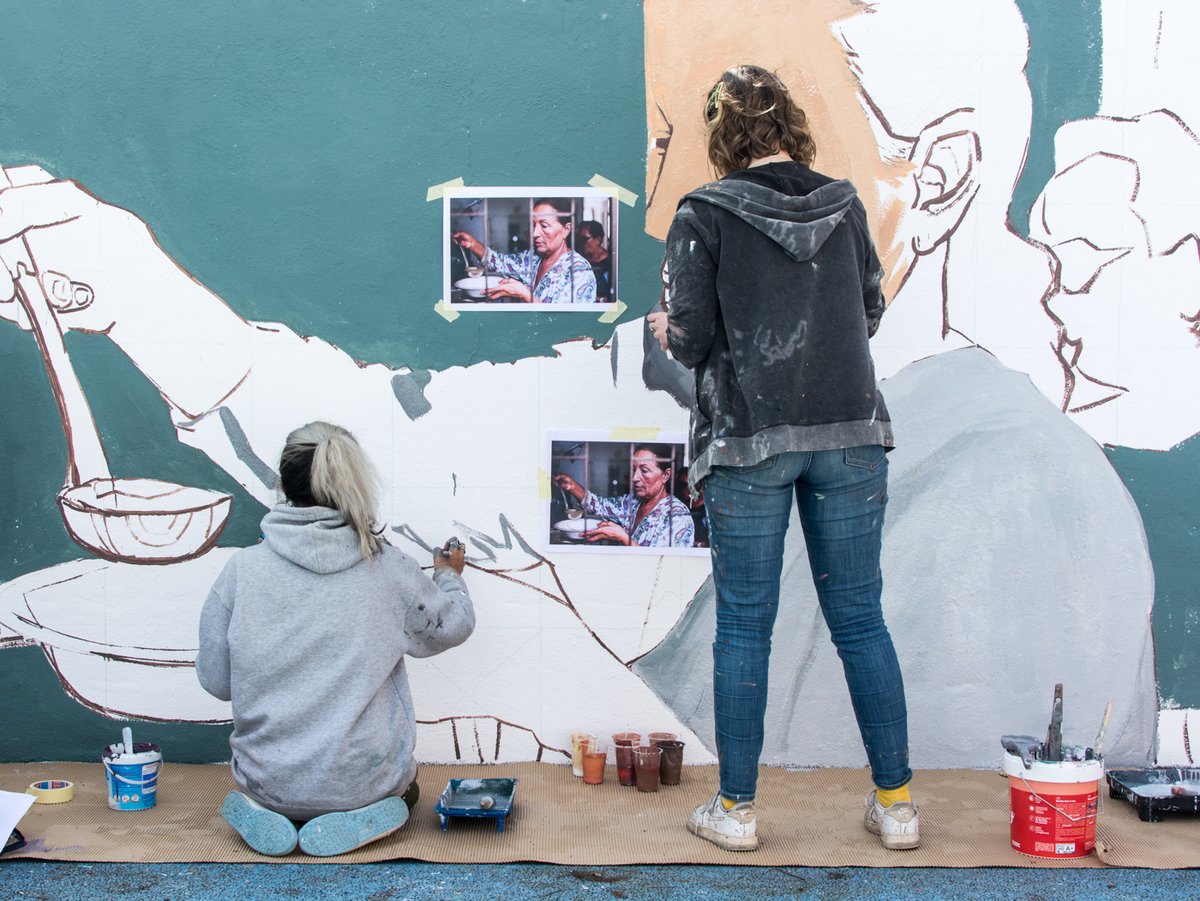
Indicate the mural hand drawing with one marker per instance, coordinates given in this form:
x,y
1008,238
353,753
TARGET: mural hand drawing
x,y
137,520
1119,218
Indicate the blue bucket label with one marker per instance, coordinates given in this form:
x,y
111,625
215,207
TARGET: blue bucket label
x,y
132,779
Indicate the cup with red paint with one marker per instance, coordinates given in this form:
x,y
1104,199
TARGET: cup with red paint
x,y
623,745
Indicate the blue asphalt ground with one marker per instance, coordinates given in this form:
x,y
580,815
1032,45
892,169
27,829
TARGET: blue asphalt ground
x,y
34,880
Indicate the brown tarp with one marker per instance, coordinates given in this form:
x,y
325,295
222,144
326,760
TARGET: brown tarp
x,y
808,818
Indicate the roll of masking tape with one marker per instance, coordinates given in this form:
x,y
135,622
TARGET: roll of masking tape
x,y
51,791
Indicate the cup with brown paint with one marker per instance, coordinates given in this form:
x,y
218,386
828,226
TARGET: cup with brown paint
x,y
646,762
623,745
595,754
656,737
670,769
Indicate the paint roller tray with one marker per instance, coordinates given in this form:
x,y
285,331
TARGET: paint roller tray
x,y
1159,790
470,798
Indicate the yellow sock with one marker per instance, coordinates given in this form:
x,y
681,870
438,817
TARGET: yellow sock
x,y
889,796
727,804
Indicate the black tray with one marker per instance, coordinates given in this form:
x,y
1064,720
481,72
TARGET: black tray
x,y
1150,791
461,798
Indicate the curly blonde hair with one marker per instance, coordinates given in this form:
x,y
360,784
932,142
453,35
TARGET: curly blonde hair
x,y
749,115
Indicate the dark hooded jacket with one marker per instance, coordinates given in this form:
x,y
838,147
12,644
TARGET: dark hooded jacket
x,y
773,288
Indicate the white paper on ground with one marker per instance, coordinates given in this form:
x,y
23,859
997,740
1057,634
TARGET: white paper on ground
x,y
13,806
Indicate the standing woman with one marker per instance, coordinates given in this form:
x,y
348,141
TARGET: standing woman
x,y
306,634
773,289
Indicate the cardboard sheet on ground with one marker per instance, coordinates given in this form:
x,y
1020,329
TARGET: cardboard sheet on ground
x,y
805,819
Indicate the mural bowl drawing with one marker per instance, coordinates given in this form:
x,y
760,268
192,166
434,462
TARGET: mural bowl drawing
x,y
121,637
144,520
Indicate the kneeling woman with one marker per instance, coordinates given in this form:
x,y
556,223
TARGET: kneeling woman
x,y
306,634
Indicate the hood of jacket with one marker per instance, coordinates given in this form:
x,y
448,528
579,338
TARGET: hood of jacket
x,y
317,538
798,224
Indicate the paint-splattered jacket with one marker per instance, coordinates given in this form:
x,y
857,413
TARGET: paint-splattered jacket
x,y
773,288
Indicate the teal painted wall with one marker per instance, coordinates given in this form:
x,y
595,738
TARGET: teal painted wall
x,y
281,153
1164,486
1065,48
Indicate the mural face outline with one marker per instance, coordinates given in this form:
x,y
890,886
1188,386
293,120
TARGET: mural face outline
x,y
933,143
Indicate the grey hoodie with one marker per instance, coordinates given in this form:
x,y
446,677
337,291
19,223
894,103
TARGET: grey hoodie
x,y
774,291
308,641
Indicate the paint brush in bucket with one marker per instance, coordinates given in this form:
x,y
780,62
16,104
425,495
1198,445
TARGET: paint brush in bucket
x,y
1052,750
1097,748
131,772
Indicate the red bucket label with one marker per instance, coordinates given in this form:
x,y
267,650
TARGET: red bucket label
x,y
1050,824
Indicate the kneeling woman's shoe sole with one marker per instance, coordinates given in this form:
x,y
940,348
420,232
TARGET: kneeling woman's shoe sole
x,y
339,833
266,831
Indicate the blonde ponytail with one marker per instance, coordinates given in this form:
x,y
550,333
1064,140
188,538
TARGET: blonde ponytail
x,y
323,464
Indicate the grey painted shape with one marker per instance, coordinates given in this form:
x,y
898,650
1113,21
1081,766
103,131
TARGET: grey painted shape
x,y
614,356
1013,559
241,446
661,372
409,390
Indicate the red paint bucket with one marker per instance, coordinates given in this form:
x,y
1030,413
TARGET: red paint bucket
x,y
1053,806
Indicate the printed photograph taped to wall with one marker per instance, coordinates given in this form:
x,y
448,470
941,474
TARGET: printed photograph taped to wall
x,y
621,497
530,248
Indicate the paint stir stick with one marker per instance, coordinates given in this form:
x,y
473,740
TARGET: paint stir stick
x,y
1098,747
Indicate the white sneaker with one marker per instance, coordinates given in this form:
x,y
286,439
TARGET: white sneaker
x,y
731,829
898,826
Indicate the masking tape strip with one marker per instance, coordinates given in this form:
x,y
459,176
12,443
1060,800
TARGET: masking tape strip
x,y
624,195
614,314
543,484
444,310
626,434
436,192
51,791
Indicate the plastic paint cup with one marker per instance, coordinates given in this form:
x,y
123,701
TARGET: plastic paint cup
x,y
595,753
132,778
670,769
623,752
1053,805
646,760
656,737
577,740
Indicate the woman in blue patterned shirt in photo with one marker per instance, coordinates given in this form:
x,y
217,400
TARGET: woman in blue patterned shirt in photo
x,y
651,516
551,272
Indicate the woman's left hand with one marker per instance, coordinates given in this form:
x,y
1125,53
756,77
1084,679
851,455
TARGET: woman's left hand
x,y
510,287
609,531
658,327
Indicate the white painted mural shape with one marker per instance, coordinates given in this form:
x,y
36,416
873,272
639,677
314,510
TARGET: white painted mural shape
x,y
1014,558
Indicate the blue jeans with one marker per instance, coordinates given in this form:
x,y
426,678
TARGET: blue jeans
x,y
841,496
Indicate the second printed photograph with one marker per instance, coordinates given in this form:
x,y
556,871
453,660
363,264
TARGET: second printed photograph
x,y
619,497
